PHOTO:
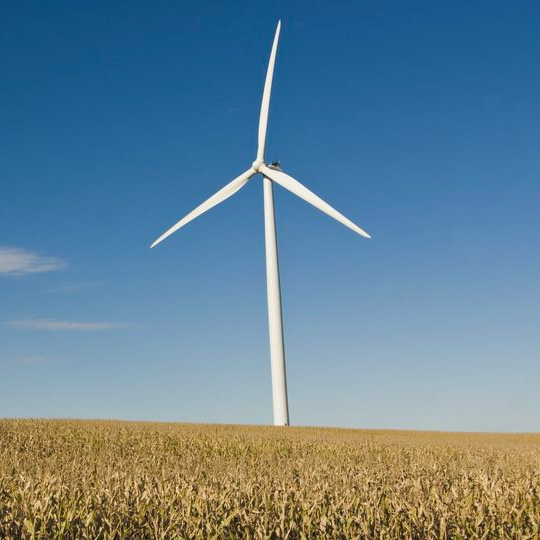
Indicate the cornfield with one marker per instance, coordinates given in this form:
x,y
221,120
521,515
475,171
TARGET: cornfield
x,y
104,480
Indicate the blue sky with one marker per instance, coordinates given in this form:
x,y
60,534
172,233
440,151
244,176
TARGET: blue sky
x,y
419,121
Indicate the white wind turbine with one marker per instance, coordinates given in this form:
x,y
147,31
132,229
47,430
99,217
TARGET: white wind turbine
x,y
271,173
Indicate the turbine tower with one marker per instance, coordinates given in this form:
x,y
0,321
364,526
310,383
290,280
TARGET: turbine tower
x,y
271,173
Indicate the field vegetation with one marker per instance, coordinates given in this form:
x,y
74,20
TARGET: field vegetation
x,y
101,480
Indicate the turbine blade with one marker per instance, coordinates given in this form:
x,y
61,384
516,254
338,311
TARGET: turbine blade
x,y
303,192
265,105
224,193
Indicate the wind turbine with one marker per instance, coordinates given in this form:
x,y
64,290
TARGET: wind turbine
x,y
271,173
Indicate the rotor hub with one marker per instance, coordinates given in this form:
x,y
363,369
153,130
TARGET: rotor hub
x,y
257,164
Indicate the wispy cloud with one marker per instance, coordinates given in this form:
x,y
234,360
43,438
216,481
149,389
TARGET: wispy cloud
x,y
49,324
18,261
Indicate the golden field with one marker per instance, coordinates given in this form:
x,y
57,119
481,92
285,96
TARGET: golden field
x,y
97,479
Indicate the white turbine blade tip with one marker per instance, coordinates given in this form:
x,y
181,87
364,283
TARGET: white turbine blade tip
x,y
354,228
160,239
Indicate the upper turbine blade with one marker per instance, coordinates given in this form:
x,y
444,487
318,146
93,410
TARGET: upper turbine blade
x,y
263,119
304,193
224,193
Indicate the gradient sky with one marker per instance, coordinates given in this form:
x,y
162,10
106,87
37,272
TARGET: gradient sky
x,y
418,120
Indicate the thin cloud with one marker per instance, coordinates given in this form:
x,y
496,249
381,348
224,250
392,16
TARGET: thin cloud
x,y
18,261
52,325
